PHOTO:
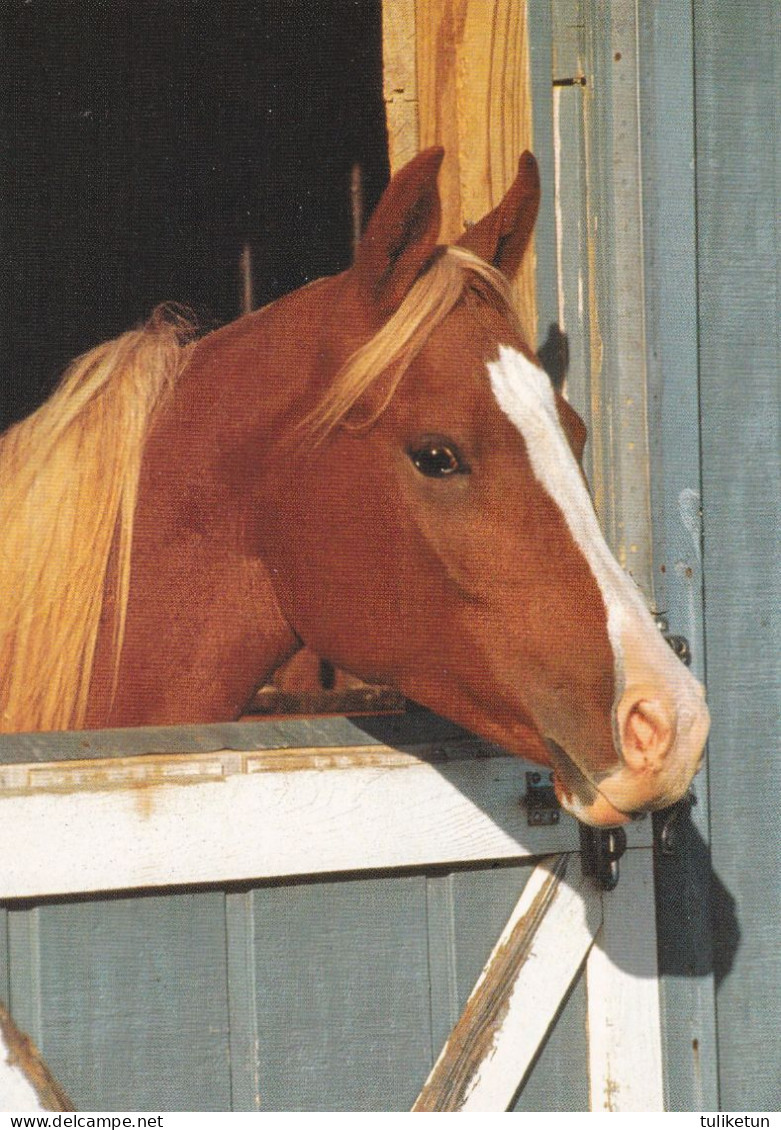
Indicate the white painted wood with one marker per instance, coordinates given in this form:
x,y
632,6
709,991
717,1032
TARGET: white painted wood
x,y
624,1033
26,1084
167,820
516,998
16,1091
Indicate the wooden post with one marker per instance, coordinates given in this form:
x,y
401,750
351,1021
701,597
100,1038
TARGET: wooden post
x,y
457,74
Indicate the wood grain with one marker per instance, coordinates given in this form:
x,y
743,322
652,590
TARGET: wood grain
x,y
457,74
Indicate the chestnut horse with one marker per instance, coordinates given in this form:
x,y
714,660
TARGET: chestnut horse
x,y
375,466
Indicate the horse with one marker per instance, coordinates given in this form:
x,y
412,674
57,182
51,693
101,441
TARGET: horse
x,y
374,466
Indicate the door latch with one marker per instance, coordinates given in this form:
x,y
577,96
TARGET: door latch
x,y
670,821
542,807
601,849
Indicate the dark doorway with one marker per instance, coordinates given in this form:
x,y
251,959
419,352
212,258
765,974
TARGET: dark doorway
x,y
146,143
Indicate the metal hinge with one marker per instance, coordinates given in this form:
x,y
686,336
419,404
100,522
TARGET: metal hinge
x,y
679,644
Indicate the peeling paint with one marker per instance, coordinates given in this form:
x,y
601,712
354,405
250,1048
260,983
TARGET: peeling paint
x,y
690,511
473,1039
153,771
26,1081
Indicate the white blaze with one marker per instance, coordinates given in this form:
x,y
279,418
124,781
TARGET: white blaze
x,y
524,393
642,658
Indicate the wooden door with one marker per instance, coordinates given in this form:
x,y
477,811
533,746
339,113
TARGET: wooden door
x,y
299,925
320,959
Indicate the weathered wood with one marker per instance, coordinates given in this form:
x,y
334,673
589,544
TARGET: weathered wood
x,y
670,225
363,700
165,820
400,80
625,1042
457,74
517,996
738,158
25,1081
127,997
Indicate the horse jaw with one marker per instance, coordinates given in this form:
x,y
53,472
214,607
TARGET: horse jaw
x,y
659,718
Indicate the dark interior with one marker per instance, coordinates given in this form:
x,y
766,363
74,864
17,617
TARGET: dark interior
x,y
146,144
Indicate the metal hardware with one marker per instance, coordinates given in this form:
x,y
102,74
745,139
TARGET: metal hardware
x,y
679,644
601,849
668,825
542,807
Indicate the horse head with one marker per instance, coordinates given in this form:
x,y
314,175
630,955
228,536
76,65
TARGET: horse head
x,y
375,466
432,528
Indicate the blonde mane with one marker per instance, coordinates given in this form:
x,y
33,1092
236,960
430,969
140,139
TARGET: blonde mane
x,y
430,300
68,484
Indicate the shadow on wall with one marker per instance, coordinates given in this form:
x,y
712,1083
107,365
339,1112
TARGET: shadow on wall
x,y
699,930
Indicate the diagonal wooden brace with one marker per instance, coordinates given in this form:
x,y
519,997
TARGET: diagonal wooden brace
x,y
515,1000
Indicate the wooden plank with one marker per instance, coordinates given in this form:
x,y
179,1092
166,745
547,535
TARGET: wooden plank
x,y
540,37
125,997
482,900
341,975
574,318
737,78
624,1036
457,74
162,820
558,1080
517,996
400,80
416,729
246,1086
614,235
683,878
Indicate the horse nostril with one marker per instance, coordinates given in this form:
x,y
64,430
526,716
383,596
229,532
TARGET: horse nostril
x,y
647,734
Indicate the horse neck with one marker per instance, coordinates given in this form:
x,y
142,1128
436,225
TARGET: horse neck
x,y
202,626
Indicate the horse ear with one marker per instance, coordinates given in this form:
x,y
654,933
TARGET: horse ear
x,y
503,235
402,233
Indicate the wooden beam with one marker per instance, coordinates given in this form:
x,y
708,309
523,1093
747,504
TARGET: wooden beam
x,y
165,820
622,981
400,80
517,996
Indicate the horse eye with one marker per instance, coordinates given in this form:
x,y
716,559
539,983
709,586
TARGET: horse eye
x,y
436,460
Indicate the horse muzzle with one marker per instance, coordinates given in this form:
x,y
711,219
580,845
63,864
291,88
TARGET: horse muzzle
x,y
661,749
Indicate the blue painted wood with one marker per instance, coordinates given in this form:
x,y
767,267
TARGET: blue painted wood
x,y
416,726
126,999
342,1006
294,996
541,70
738,72
683,879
